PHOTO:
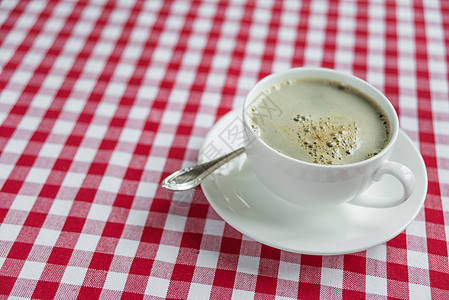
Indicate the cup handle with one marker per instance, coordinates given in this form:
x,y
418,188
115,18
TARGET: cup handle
x,y
401,173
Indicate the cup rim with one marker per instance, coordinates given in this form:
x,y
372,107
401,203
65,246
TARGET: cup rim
x,y
348,79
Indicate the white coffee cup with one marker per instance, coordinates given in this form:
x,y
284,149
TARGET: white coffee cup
x,y
315,185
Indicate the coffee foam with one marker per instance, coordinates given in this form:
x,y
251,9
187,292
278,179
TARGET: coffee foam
x,y
322,122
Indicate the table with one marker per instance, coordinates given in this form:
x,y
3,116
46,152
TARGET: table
x,y
100,100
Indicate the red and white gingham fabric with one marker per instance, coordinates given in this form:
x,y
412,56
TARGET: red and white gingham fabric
x,y
100,100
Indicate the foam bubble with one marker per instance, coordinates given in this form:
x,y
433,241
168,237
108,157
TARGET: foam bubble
x,y
256,129
327,140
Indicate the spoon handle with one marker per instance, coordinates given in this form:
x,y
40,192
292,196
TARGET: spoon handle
x,y
192,176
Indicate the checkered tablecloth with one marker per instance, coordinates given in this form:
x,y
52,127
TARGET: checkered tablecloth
x,y
101,100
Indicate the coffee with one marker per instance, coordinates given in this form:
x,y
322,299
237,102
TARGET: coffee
x,y
320,121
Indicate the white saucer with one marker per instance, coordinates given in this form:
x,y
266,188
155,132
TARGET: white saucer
x,y
248,206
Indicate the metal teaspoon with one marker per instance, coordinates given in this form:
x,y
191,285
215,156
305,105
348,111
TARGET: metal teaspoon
x,y
192,176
